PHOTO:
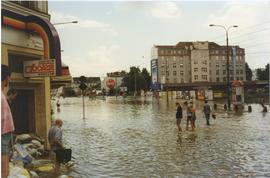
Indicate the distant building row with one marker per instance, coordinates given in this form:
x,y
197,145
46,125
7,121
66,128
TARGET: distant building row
x,y
189,62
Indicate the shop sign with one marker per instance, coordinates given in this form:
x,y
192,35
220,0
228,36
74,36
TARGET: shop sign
x,y
39,68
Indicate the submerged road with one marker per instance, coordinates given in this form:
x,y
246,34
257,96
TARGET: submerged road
x,y
138,138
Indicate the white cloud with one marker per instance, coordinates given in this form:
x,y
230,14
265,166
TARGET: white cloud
x,y
253,21
98,62
57,17
165,10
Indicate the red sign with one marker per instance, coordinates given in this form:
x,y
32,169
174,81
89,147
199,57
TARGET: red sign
x,y
39,68
110,83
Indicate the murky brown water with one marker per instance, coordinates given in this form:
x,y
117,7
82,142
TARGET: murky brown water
x,y
138,138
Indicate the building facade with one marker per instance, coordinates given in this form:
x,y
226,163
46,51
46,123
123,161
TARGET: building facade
x,y
189,62
28,35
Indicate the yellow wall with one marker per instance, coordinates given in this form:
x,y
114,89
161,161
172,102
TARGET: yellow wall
x,y
41,87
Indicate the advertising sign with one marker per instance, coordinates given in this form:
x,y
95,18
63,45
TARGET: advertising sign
x,y
110,83
154,71
39,68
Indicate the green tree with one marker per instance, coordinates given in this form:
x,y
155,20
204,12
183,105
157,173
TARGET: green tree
x,y
248,73
136,79
263,74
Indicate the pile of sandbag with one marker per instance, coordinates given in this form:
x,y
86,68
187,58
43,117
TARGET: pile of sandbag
x,y
31,143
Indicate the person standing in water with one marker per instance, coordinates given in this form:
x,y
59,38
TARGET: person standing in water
x,y
179,116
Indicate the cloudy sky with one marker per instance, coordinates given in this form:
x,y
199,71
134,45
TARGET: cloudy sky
x,y
115,35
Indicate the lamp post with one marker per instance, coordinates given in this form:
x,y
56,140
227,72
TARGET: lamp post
x,y
61,23
228,67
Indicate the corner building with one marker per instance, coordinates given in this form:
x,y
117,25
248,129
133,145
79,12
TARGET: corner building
x,y
190,62
27,34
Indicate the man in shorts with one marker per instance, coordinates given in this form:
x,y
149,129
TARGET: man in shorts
x,y
7,125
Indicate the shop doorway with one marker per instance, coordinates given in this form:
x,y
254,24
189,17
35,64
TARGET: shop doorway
x,y
23,111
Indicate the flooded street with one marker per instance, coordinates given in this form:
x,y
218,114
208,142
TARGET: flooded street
x,y
138,138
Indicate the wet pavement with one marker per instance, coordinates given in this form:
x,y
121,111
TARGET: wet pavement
x,y
138,138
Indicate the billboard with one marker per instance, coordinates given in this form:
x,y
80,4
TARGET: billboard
x,y
154,75
39,68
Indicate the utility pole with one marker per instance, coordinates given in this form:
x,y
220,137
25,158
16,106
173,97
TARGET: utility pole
x,y
166,69
228,66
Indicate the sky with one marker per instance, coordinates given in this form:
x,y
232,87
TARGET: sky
x,y
114,35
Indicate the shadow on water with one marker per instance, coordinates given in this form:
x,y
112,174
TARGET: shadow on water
x,y
137,137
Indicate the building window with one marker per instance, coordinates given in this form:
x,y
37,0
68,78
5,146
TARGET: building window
x,y
162,65
196,69
217,79
231,78
181,65
237,72
217,65
210,72
174,73
224,79
204,69
181,73
168,74
224,72
195,77
204,77
204,62
195,62
174,65
241,71
217,72
241,78
175,80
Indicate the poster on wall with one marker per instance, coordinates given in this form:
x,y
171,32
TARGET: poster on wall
x,y
39,68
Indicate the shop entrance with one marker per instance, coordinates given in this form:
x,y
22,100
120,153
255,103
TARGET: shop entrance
x,y
23,111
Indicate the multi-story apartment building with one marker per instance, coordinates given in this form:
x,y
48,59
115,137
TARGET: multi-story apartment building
x,y
189,62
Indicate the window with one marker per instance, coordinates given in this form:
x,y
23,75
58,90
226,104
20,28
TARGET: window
x,y
241,78
237,72
168,74
181,65
174,65
204,69
204,77
196,69
175,80
181,73
231,78
217,79
224,72
217,72
195,77
195,62
210,72
204,62
217,65
224,79
174,73
241,71
162,65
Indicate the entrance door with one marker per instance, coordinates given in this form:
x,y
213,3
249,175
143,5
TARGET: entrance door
x,y
23,109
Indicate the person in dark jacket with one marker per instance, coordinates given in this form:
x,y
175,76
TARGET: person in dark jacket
x,y
179,116
207,111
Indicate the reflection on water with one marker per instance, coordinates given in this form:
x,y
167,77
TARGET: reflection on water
x,y
138,138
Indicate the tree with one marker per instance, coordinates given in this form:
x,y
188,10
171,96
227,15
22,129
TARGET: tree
x,y
248,73
263,74
137,79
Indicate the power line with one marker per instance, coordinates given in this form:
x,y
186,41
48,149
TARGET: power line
x,y
248,28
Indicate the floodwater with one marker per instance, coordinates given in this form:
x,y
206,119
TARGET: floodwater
x,y
138,138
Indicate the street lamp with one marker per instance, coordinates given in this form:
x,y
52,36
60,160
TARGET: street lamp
x,y
61,23
228,70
